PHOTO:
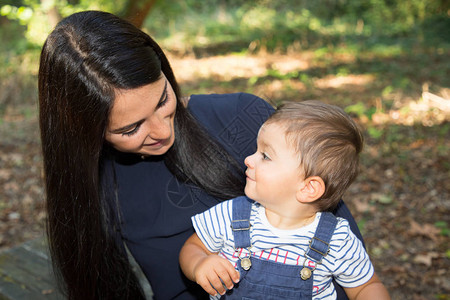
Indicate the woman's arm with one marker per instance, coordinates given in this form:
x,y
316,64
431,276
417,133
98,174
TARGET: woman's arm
x,y
212,272
343,212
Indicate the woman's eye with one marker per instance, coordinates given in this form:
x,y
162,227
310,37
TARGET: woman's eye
x,y
131,132
163,101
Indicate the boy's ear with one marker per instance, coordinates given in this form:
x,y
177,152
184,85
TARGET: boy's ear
x,y
312,189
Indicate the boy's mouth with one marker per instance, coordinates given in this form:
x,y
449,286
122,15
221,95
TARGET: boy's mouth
x,y
248,177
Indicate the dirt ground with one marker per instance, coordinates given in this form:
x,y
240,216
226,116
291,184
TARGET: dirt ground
x,y
401,199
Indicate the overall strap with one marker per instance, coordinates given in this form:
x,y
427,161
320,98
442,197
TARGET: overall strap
x,y
320,243
240,224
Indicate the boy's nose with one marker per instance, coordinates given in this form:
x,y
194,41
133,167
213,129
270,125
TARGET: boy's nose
x,y
249,161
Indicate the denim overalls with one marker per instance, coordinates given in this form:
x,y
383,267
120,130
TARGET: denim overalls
x,y
270,280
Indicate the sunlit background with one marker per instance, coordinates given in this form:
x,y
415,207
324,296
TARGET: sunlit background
x,y
386,62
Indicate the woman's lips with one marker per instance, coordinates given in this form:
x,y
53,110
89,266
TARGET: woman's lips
x,y
156,144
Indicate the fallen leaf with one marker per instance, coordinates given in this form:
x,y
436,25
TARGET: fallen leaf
x,y
5,174
381,198
427,230
46,292
362,206
425,259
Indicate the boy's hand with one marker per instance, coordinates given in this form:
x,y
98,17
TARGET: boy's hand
x,y
214,273
208,269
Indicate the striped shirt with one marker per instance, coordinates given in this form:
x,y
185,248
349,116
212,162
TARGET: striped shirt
x,y
347,260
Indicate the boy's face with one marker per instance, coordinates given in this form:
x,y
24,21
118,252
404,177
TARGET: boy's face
x,y
273,171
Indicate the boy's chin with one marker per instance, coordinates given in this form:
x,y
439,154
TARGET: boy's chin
x,y
249,194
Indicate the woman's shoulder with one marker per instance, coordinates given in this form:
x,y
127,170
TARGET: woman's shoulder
x,y
221,110
233,104
237,97
232,119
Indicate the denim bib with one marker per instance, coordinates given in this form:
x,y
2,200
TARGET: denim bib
x,y
264,279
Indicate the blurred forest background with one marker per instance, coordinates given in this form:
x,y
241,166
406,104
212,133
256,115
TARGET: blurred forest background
x,y
386,62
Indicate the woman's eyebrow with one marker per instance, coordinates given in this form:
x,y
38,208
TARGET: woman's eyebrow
x,y
131,126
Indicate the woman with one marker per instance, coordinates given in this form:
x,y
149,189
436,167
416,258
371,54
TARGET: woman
x,y
127,162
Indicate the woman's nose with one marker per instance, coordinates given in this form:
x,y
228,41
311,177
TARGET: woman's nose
x,y
159,129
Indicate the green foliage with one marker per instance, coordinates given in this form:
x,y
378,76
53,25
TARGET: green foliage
x,y
34,13
362,225
277,25
375,133
271,25
257,26
22,14
360,109
443,226
389,40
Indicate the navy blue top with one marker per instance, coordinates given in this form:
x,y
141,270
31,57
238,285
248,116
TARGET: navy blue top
x,y
156,208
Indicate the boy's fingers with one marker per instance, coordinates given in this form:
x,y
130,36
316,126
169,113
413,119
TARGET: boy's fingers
x,y
234,274
227,280
206,285
219,277
216,283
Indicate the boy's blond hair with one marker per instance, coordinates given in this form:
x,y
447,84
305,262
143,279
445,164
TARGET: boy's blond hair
x,y
328,142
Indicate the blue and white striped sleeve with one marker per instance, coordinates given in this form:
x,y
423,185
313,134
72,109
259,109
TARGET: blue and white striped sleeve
x,y
211,226
352,266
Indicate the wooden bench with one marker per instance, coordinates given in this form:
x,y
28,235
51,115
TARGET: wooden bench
x,y
26,273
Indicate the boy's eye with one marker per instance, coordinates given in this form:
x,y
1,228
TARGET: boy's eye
x,y
265,156
131,132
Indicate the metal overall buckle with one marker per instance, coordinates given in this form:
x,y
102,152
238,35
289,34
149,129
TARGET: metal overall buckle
x,y
245,261
306,272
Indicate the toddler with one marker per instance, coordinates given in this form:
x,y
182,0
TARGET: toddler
x,y
281,239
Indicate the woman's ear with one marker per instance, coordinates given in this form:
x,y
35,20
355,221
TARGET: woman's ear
x,y
312,189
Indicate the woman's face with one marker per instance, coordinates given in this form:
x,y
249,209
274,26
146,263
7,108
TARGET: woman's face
x,y
142,119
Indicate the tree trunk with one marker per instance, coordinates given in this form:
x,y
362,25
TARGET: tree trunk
x,y
137,10
53,14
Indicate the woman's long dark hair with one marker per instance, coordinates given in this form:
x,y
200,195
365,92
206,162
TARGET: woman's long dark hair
x,y
85,58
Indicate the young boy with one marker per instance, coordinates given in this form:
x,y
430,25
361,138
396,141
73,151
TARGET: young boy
x,y
280,239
